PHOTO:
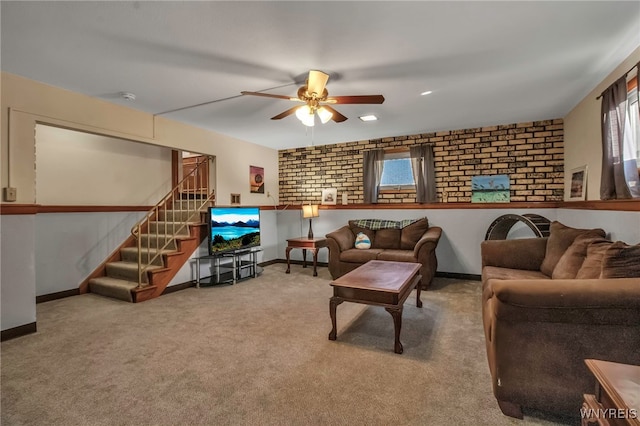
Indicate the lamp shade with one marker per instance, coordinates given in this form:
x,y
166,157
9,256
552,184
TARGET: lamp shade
x,y
309,211
324,114
305,114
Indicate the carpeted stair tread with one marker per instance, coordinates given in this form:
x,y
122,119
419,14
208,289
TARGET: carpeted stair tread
x,y
164,227
128,271
189,205
159,240
130,254
113,287
180,216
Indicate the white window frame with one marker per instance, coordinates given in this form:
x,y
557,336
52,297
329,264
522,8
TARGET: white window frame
x,y
395,155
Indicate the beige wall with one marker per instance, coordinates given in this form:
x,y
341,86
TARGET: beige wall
x,y
76,168
27,102
582,136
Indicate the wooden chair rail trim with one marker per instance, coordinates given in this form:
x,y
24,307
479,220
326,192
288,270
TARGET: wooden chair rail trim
x,y
615,205
15,209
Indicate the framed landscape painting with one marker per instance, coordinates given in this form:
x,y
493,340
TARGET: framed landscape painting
x,y
490,189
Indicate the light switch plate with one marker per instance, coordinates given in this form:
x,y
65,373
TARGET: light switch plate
x,y
10,194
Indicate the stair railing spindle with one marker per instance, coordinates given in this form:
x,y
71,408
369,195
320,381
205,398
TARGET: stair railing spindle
x,y
139,243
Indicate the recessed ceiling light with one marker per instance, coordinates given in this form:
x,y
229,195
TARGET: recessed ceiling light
x,y
368,118
426,93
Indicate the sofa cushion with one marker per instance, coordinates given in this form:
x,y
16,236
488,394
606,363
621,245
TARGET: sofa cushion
x,y
592,266
560,238
387,239
412,233
490,272
355,255
621,261
397,255
572,259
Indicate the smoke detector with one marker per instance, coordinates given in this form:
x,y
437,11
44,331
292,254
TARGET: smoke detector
x,y
128,96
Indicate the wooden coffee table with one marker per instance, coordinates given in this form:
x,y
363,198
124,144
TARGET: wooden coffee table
x,y
381,283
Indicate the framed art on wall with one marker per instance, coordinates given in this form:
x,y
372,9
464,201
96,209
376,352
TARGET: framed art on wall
x,y
490,189
329,196
256,179
578,183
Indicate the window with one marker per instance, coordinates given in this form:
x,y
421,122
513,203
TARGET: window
x,y
397,172
620,140
631,144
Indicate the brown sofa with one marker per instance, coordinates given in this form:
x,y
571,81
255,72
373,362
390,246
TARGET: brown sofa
x,y
415,242
548,304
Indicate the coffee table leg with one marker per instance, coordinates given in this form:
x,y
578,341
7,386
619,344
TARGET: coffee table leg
x,y
396,313
333,304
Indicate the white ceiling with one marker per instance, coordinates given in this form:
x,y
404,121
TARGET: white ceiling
x,y
486,62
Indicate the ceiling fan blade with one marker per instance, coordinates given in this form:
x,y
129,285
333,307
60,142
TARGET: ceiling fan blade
x,y
317,81
268,95
363,99
285,113
337,117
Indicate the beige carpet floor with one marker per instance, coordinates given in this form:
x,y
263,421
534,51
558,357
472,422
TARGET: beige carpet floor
x,y
255,353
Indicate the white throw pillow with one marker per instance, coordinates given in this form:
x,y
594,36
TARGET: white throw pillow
x,y
362,241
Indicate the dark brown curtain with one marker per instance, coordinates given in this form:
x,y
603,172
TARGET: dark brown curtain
x,y
422,165
614,108
372,171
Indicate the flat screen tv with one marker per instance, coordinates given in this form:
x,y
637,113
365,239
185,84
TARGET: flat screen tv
x,y
233,228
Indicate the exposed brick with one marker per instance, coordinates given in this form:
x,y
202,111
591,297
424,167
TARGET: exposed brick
x,y
532,154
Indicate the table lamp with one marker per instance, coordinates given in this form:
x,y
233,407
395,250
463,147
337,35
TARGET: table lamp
x,y
308,212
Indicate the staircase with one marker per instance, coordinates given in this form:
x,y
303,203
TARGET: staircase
x,y
159,245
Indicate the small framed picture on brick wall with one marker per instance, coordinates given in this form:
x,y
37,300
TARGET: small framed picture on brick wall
x,y
329,196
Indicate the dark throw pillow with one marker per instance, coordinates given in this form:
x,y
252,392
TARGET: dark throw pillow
x,y
411,234
573,258
560,238
621,261
592,266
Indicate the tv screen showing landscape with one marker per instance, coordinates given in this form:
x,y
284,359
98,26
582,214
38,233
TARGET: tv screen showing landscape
x,y
233,228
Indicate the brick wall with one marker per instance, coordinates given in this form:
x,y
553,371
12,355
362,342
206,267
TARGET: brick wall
x,y
531,153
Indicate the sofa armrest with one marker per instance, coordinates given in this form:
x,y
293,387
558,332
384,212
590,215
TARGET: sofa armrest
x,y
429,238
539,332
338,241
525,253
594,301
342,238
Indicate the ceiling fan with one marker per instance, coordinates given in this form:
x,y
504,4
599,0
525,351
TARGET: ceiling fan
x,y
316,99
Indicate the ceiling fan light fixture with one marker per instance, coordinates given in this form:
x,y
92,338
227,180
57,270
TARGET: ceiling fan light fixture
x,y
315,95
305,114
324,114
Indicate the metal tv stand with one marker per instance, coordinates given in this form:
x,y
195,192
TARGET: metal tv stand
x,y
231,266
